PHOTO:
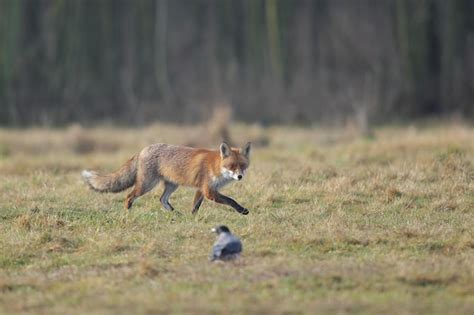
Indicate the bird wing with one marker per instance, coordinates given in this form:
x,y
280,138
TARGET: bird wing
x,y
234,247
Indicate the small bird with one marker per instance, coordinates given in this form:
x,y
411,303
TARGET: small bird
x,y
227,245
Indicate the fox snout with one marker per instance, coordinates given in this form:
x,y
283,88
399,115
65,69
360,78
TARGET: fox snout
x,y
235,175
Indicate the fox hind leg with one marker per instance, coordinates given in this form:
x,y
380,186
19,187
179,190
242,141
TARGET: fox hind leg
x,y
130,199
169,189
145,182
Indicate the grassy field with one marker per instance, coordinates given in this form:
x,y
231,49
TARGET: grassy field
x,y
337,224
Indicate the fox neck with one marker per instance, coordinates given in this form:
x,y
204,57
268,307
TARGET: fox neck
x,y
219,181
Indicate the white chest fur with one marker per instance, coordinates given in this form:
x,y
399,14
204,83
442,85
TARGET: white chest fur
x,y
218,182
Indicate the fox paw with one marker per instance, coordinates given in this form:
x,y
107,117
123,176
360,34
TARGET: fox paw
x,y
244,211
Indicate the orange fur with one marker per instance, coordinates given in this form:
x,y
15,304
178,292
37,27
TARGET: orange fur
x,y
206,170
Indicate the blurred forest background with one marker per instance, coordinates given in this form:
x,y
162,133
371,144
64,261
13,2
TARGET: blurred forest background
x,y
273,61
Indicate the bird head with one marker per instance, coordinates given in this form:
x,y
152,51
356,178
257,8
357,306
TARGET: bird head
x,y
220,229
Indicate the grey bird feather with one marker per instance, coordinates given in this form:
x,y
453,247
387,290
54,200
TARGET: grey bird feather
x,y
227,245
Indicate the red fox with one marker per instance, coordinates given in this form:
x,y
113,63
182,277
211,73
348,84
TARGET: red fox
x,y
206,170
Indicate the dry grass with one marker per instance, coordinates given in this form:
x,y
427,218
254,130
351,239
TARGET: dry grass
x,y
337,225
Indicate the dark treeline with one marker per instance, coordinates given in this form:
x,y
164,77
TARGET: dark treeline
x,y
288,61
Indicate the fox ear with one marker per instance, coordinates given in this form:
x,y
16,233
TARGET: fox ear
x,y
246,149
225,150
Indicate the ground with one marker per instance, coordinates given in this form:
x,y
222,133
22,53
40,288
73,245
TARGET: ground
x,y
337,224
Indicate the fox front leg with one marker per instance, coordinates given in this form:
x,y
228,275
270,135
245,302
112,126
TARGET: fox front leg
x,y
198,198
220,198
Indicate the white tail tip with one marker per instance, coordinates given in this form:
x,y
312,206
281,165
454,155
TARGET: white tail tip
x,y
87,174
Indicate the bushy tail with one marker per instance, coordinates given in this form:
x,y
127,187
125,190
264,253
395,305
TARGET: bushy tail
x,y
113,182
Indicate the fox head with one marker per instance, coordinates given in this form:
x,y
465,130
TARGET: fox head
x,y
234,161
